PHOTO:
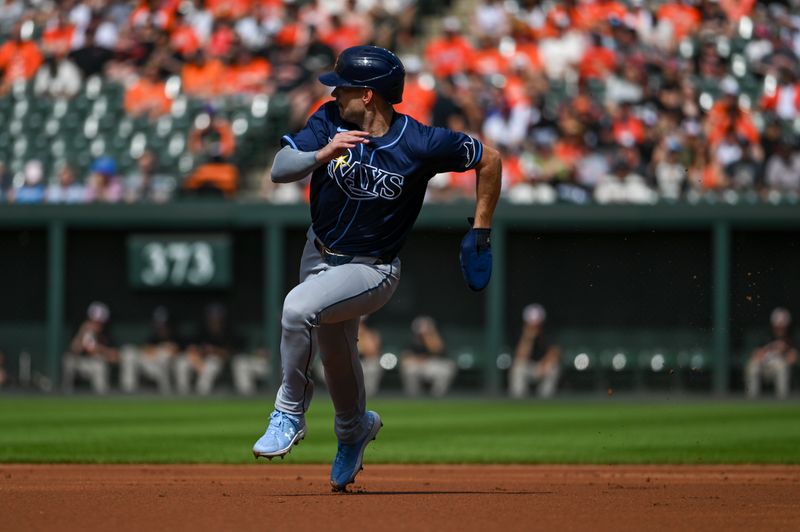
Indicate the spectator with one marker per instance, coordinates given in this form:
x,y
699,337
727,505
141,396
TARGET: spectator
x,y
20,57
66,189
103,183
425,360
91,351
144,183
207,354
248,369
419,95
58,77
147,96
669,170
536,357
783,168
202,77
212,141
33,187
369,350
154,358
623,185
773,360
450,54
91,58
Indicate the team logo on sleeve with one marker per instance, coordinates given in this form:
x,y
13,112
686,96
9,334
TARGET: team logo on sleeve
x,y
469,152
361,181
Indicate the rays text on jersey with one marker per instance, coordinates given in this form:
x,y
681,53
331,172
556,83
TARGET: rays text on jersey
x,y
361,181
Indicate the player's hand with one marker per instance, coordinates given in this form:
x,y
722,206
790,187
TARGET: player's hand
x,y
476,258
340,143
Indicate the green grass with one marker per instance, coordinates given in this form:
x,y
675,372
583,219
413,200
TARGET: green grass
x,y
130,430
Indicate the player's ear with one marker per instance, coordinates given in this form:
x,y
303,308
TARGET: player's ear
x,y
368,96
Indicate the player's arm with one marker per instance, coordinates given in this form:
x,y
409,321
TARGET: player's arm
x,y
488,171
291,164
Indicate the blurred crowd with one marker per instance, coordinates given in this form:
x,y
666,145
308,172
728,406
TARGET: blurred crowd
x,y
165,51
608,101
611,101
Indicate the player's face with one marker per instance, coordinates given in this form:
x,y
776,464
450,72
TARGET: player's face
x,y
351,103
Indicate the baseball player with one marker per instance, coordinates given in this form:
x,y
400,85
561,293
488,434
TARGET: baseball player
x,y
370,166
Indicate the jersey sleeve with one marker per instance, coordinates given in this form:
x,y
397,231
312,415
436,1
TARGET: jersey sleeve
x,y
314,134
451,151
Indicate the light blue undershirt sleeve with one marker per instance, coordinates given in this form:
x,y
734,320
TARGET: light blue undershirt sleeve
x,y
293,165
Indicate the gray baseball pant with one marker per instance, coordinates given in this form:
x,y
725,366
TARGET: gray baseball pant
x,y
323,312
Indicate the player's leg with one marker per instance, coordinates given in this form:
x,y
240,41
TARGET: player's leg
x,y
354,426
96,370
326,295
69,367
334,295
183,373
518,380
157,367
372,375
779,372
242,376
128,368
548,380
212,367
442,373
344,377
411,369
752,374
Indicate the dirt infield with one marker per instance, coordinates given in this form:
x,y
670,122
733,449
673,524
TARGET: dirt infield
x,y
393,497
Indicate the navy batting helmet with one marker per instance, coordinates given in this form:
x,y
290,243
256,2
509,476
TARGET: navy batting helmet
x,y
368,66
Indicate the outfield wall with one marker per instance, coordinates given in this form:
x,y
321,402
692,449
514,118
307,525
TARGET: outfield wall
x,y
674,277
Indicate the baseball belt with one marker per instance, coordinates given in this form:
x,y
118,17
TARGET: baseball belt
x,y
334,258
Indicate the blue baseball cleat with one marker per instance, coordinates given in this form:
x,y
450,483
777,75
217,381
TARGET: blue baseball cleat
x,y
350,456
284,430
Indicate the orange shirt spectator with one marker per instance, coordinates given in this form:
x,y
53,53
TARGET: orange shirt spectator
x,y
184,40
594,14
232,9
513,174
147,96
216,140
221,41
448,55
568,152
247,77
314,107
721,118
597,62
19,60
418,100
162,17
685,19
769,102
629,128
515,92
463,182
736,9
528,52
487,61
339,37
559,19
58,39
203,79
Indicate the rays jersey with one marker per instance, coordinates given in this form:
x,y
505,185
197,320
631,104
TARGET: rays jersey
x,y
365,202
